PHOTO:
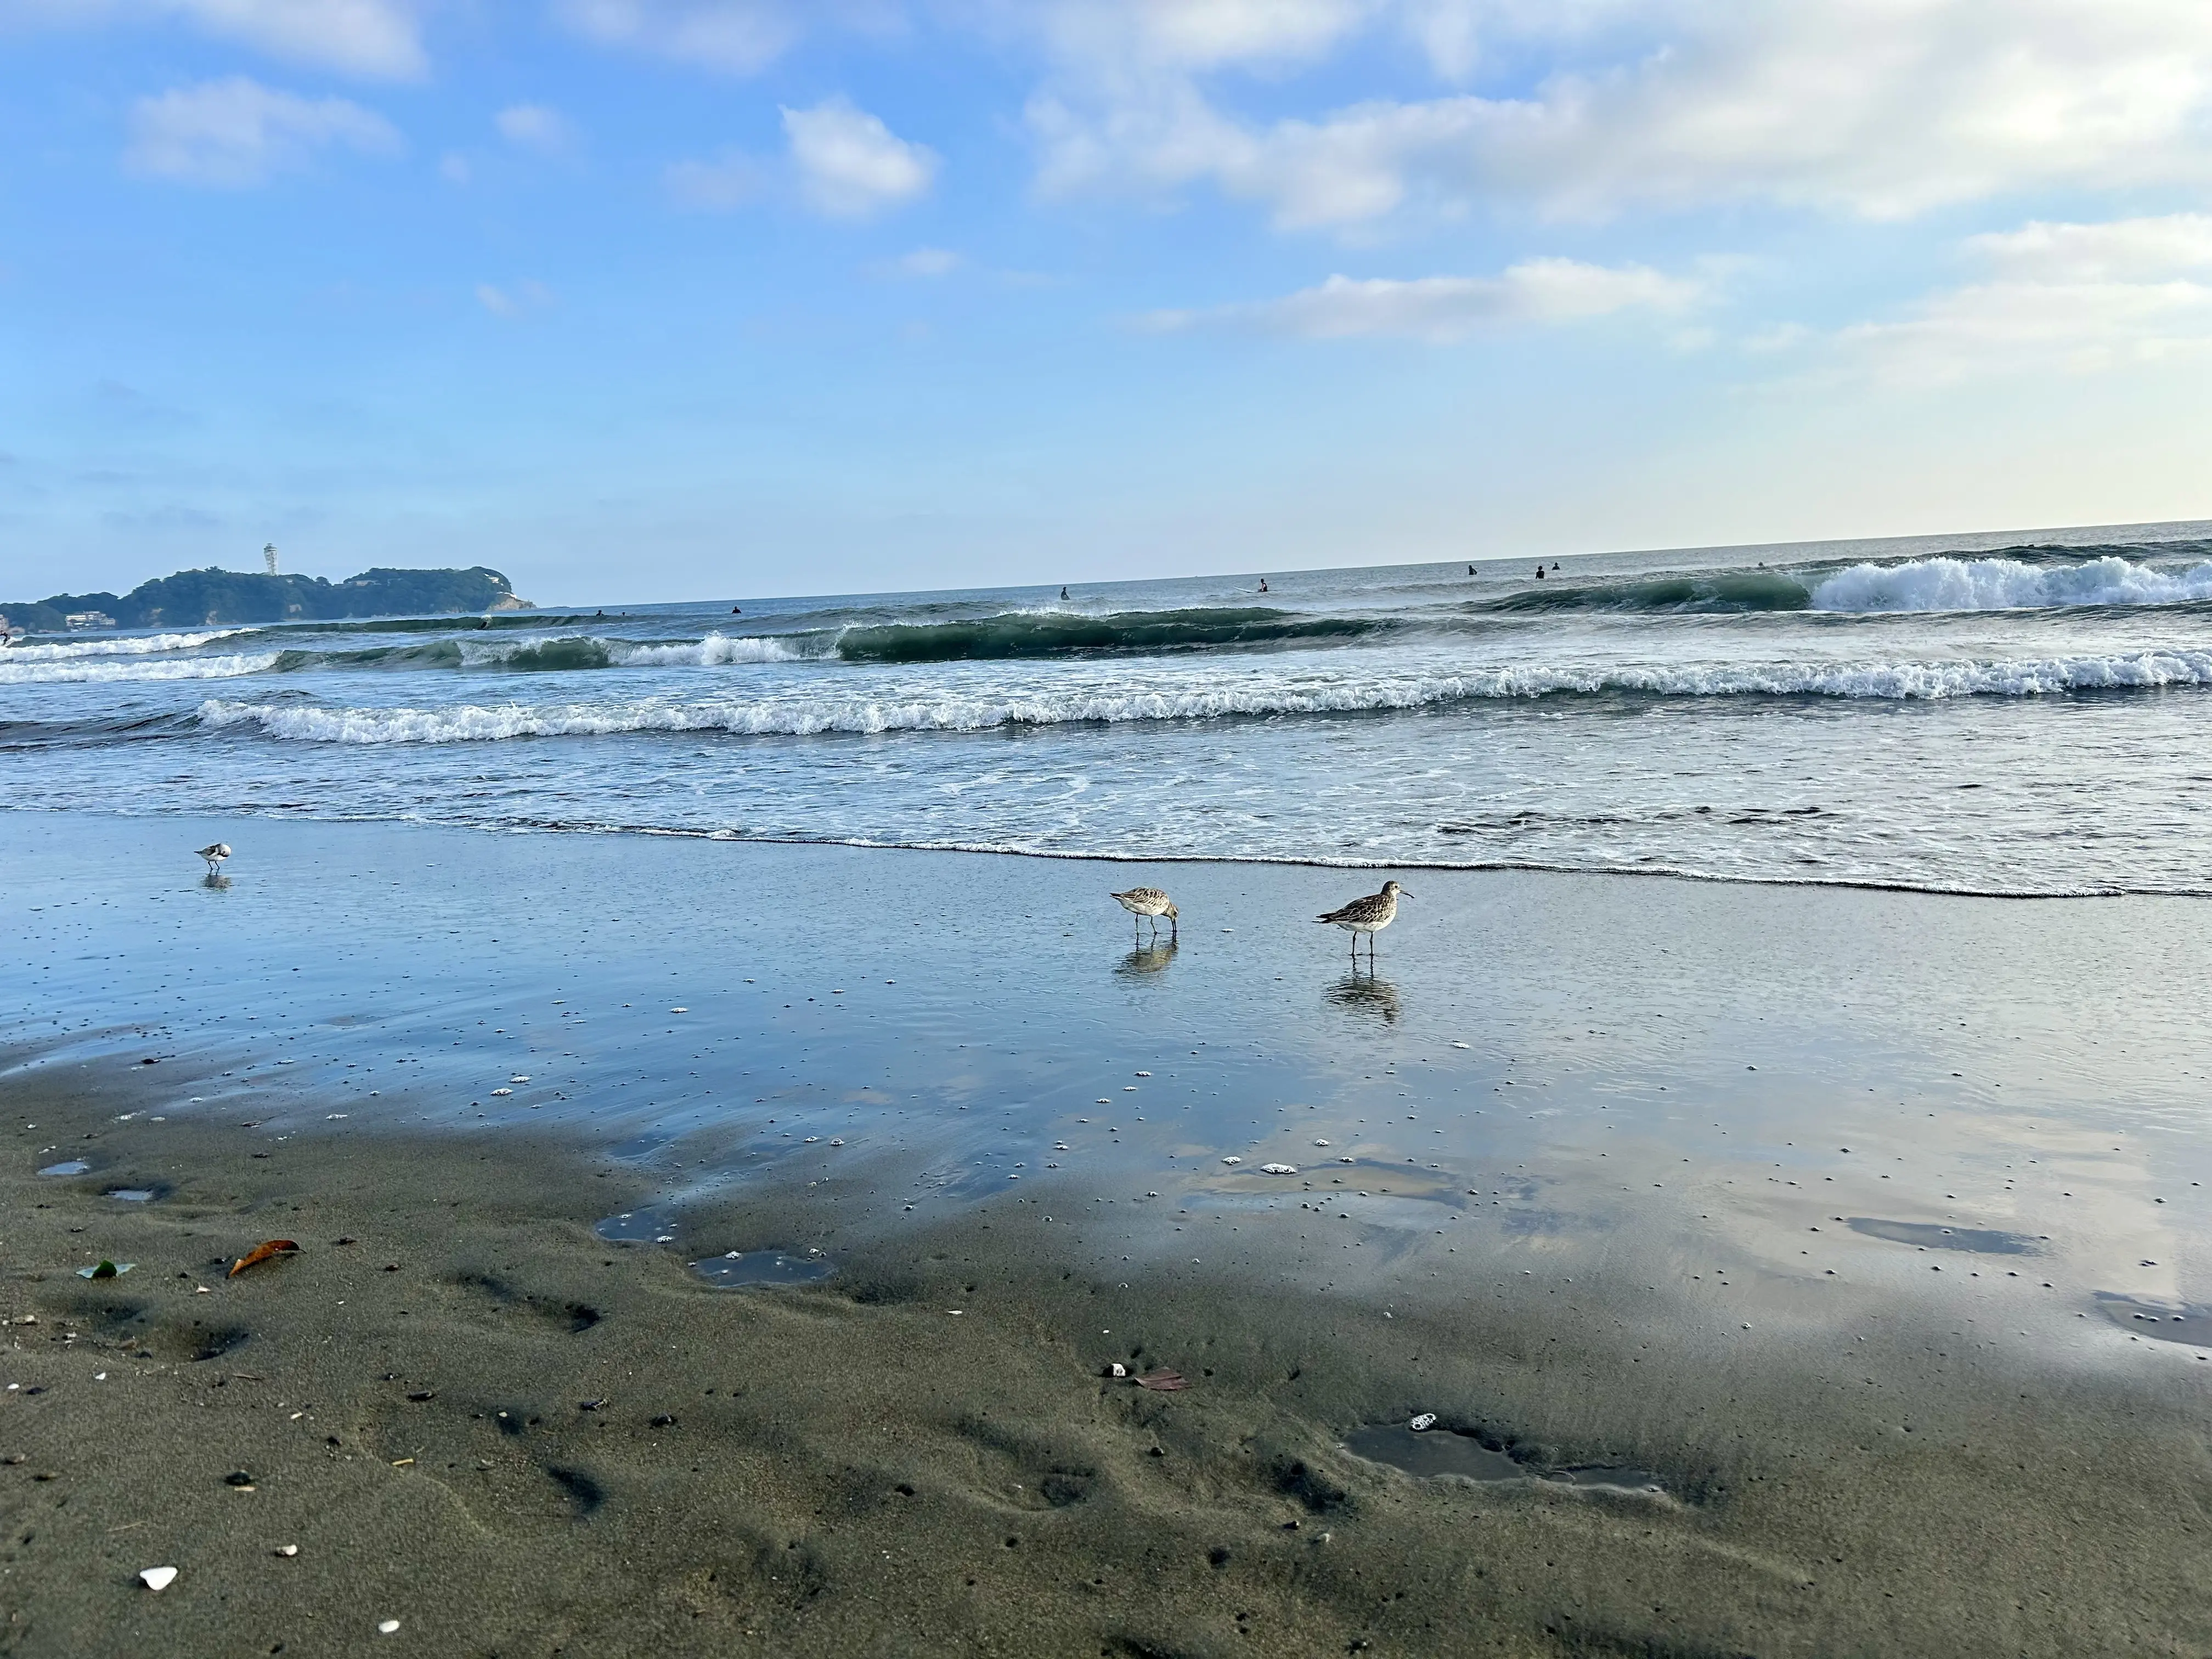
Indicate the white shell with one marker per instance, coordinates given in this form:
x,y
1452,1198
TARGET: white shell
x,y
158,1578
388,1627
1119,1369
1279,1169
1425,1420
503,1091
1321,1143
1232,1160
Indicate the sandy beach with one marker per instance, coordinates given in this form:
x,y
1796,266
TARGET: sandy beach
x,y
472,1411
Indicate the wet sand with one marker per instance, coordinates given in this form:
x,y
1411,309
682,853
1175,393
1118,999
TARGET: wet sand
x,y
482,1418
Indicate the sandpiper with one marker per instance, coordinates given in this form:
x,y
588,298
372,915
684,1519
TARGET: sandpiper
x,y
215,853
1150,903
1368,915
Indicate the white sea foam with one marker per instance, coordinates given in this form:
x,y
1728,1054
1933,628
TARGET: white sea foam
x,y
2006,585
135,645
168,668
808,715
717,649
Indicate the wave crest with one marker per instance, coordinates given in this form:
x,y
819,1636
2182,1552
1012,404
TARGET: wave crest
x,y
1948,584
812,716
135,645
168,668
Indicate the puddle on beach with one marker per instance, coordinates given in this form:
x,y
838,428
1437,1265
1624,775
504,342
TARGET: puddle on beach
x,y
2188,1323
637,1227
130,1194
742,1268
1928,1236
73,1166
1440,1451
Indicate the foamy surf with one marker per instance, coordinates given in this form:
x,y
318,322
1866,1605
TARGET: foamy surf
x,y
1947,584
130,646
168,668
808,716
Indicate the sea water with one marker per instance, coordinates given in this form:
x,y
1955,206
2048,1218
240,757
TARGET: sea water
x,y
1978,714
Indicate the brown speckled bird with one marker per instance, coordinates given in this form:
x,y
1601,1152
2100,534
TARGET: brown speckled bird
x,y
1368,915
1150,904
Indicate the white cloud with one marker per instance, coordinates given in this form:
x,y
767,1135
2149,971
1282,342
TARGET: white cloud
x,y
381,37
2120,250
729,180
1877,108
535,126
738,37
2064,299
850,165
496,301
927,262
237,133
1440,309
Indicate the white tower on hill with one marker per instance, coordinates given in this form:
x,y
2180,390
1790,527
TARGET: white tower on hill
x,y
269,558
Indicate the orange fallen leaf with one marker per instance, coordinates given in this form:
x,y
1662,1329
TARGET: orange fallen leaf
x,y
261,1252
1163,1382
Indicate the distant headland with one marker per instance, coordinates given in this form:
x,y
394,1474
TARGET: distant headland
x,y
215,598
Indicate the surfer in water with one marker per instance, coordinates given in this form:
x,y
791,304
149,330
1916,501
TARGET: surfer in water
x,y
1063,593
1263,584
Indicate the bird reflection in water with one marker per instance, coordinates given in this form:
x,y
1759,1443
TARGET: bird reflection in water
x,y
1365,993
221,884
1147,958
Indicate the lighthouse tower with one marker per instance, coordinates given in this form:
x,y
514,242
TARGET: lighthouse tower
x,y
269,558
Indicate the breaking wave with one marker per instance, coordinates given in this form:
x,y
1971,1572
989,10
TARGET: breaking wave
x,y
1064,633
1996,584
167,668
810,715
135,645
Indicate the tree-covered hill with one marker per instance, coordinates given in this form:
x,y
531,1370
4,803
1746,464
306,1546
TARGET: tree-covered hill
x,y
195,598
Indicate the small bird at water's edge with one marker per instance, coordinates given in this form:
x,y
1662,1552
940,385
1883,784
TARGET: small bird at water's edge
x,y
215,853
1151,905
1368,915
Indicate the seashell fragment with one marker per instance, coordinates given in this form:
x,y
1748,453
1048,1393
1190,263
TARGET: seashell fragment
x,y
1118,1369
158,1578
1279,1169
1425,1420
503,1091
1232,1160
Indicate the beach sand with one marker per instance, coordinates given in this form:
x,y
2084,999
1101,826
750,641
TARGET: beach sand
x,y
852,1468
473,1414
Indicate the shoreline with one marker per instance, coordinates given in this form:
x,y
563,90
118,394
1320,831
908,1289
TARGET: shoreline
x,y
1495,866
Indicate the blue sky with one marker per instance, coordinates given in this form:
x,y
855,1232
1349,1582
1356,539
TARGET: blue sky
x,y
661,299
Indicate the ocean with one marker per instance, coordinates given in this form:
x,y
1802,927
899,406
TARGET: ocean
x,y
1988,714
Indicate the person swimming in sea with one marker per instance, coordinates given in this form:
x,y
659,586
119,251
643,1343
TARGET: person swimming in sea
x,y
1063,593
1263,584
1539,573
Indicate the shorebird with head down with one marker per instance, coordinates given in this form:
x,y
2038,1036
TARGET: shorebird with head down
x,y
1368,915
1150,904
215,853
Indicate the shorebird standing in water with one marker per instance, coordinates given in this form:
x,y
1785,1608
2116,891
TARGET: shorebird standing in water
x,y
1150,904
1368,915
215,853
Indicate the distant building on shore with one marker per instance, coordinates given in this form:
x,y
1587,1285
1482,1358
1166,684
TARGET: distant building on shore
x,y
269,558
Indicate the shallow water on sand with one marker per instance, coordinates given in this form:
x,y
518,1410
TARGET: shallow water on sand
x,y
1782,1101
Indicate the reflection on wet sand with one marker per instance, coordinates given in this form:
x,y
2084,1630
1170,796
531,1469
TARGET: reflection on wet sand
x,y
1365,993
1147,959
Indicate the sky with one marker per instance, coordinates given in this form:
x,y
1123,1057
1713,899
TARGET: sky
x,y
653,300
